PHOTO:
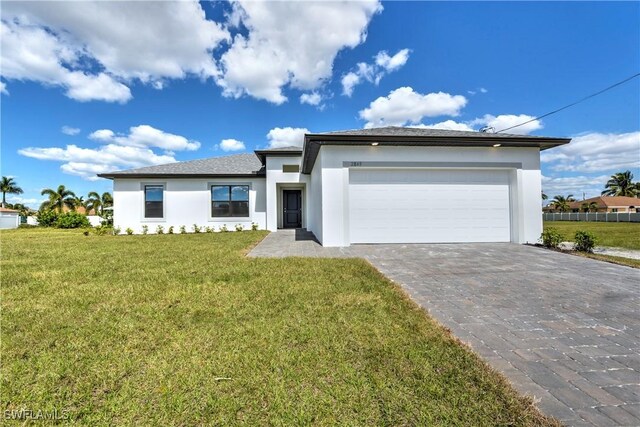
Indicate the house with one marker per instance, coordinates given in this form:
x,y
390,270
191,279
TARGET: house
x,y
9,218
610,204
384,185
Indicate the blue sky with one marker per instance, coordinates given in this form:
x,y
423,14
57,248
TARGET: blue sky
x,y
187,80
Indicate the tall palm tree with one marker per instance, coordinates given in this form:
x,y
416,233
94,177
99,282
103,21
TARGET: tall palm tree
x,y
79,202
544,196
8,185
58,199
97,202
621,184
561,203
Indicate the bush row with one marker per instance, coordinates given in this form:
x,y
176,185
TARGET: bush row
x,y
49,218
195,228
585,241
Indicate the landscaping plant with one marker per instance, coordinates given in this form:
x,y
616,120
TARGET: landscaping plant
x,y
159,229
224,228
129,231
254,226
72,220
239,227
47,217
551,238
145,229
170,230
208,229
116,231
183,229
585,241
196,228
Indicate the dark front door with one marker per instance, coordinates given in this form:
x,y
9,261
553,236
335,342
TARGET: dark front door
x,y
292,205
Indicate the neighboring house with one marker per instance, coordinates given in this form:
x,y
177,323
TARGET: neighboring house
x,y
385,185
9,218
608,204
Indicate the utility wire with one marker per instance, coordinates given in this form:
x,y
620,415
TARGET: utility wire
x,y
573,103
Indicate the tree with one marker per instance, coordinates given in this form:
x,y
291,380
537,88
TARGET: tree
x,y
97,203
8,185
561,203
58,199
589,207
544,196
79,202
621,184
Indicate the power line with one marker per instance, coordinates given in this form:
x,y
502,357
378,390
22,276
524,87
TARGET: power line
x,y
573,103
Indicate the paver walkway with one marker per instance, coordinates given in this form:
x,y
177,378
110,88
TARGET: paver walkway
x,y
562,328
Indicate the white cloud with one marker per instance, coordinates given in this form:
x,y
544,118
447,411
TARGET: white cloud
x,y
231,145
504,121
50,42
483,90
286,137
373,73
596,152
577,185
290,43
3,88
68,130
28,201
313,98
146,136
117,152
404,106
446,125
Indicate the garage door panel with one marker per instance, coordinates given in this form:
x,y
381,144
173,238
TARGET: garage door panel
x,y
429,206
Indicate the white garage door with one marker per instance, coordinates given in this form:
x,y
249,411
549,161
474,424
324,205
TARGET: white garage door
x,y
428,206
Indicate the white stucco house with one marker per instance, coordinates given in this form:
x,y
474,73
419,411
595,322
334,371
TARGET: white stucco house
x,y
384,185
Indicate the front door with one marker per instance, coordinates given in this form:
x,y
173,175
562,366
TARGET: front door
x,y
292,205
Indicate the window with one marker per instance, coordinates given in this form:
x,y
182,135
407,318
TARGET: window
x,y
229,200
153,201
614,210
291,168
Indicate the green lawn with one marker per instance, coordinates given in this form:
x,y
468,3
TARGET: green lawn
x,y
617,234
184,330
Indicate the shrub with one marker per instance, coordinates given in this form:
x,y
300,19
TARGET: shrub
x,y
239,227
72,220
196,229
254,226
585,241
551,238
145,229
116,231
129,231
47,218
101,230
107,218
159,229
208,229
183,229
224,228
170,230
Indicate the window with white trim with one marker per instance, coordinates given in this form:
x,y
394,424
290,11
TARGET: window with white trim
x,y
154,201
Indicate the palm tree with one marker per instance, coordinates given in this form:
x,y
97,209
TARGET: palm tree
x,y
589,207
621,184
561,203
544,196
79,202
58,199
97,203
8,185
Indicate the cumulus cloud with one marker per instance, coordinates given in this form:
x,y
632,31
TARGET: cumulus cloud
x,y
373,73
446,125
146,136
577,185
286,137
290,44
313,98
405,106
596,152
231,145
56,43
3,88
116,152
504,121
68,130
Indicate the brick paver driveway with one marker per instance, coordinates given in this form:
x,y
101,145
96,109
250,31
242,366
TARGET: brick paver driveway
x,y
562,328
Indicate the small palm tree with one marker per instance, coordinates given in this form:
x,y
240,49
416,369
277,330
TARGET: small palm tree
x,y
589,207
561,203
8,185
97,202
621,184
58,199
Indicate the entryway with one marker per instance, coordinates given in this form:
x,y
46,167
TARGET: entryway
x,y
291,208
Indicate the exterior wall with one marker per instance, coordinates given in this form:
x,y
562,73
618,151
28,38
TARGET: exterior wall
x,y
524,164
277,181
315,200
9,220
186,202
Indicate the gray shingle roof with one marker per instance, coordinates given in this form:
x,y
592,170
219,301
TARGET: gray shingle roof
x,y
422,132
289,148
237,164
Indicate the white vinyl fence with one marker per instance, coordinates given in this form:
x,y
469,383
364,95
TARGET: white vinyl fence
x,y
593,217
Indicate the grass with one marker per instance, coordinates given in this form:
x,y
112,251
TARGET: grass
x,y
616,234
629,262
184,330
